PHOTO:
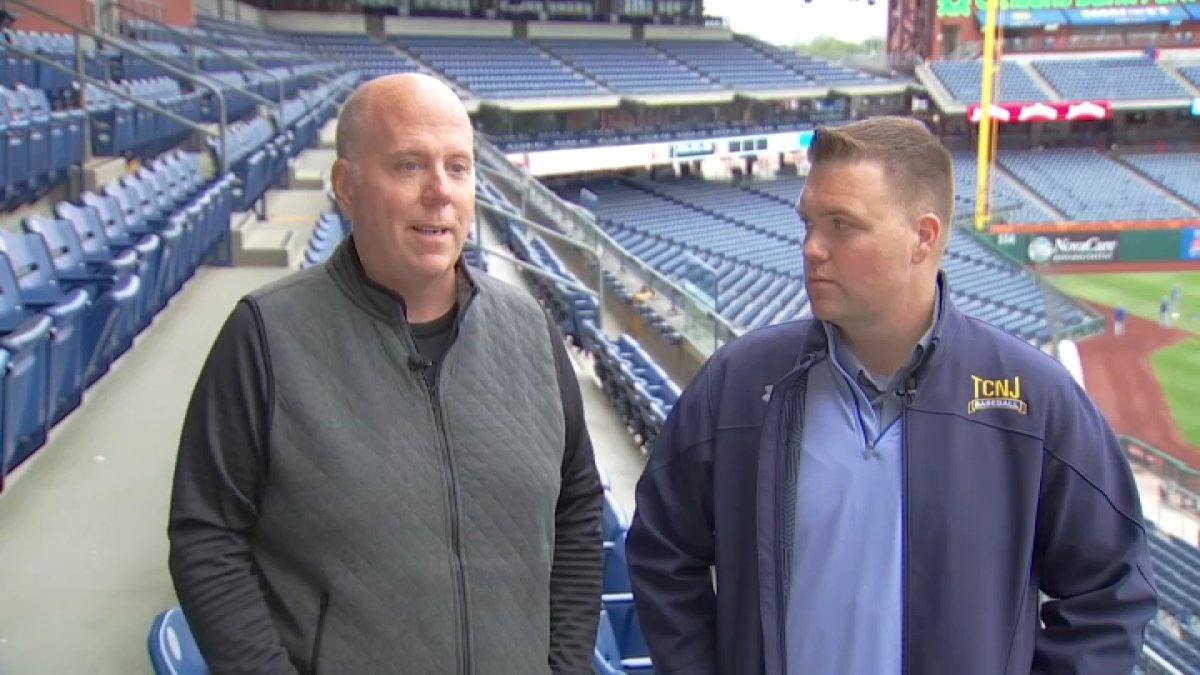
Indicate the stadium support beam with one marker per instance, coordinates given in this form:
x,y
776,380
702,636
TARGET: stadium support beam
x,y
987,82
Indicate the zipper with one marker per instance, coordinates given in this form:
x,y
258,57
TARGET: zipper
x,y
790,416
464,625
320,634
780,561
910,395
449,474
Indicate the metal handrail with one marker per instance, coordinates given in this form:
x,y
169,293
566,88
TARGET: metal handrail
x,y
111,5
722,330
549,233
100,84
124,46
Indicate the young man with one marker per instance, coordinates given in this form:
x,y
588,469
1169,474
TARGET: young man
x,y
887,488
384,466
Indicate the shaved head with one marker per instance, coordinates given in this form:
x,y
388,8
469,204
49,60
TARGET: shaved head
x,y
409,94
405,176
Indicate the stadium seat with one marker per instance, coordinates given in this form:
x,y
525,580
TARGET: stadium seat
x,y
173,650
108,330
26,337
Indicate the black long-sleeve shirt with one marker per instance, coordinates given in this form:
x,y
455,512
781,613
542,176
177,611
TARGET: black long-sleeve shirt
x,y
221,473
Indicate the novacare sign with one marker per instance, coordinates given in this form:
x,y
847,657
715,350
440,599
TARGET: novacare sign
x,y
1067,248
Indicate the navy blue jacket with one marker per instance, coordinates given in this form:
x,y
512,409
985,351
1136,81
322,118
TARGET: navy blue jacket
x,y
1013,483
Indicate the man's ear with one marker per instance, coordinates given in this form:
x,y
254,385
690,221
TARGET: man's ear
x,y
929,238
341,180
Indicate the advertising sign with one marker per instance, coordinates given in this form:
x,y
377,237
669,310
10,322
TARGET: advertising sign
x,y
1074,247
1051,111
1020,18
1189,243
949,9
1125,15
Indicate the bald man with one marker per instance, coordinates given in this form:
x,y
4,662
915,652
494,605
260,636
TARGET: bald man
x,y
384,466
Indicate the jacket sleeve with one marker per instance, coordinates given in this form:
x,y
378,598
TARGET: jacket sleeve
x,y
577,574
1093,558
219,475
671,546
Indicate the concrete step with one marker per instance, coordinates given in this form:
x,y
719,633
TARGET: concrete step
x,y
301,177
257,243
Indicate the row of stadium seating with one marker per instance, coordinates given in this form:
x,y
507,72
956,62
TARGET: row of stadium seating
x,y
1085,185
79,287
37,146
1112,79
75,290
1175,635
620,647
638,388
513,68
733,230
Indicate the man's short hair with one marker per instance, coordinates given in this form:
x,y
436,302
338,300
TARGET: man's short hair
x,y
920,168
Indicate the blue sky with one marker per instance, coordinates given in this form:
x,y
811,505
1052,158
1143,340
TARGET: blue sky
x,y
789,21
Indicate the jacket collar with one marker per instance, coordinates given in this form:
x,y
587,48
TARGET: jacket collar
x,y
347,271
946,325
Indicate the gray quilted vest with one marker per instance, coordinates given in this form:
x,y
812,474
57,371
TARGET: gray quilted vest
x,y
404,530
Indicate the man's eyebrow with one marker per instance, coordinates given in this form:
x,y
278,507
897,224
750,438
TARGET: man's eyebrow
x,y
836,212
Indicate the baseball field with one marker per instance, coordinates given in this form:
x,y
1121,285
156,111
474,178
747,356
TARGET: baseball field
x,y
1120,370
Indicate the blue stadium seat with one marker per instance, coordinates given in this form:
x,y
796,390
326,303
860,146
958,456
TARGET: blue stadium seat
x,y
629,66
500,68
108,327
127,258
1176,171
174,252
26,338
616,570
622,618
38,138
962,79
613,521
1113,79
1085,185
173,650
17,130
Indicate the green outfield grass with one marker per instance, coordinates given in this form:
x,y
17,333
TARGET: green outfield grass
x,y
1139,292
1177,367
1178,371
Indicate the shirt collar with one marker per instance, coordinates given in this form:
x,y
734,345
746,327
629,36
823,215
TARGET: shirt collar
x,y
854,368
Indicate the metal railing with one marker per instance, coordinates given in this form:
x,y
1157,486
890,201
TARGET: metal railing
x,y
703,327
1178,474
1095,321
113,8
121,45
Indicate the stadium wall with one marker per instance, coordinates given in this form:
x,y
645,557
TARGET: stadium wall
x,y
1105,250
314,22
399,25
557,29
175,12
687,33
230,10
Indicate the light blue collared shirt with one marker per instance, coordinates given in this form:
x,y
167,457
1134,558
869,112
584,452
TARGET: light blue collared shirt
x,y
845,604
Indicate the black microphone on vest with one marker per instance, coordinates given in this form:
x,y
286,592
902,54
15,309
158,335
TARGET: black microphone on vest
x,y
418,364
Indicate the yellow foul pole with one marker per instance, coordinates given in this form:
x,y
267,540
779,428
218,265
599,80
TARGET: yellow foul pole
x,y
988,79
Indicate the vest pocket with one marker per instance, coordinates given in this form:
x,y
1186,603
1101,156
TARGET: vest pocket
x,y
319,634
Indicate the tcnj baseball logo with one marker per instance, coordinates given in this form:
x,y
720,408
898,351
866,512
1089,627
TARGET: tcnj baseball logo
x,y
1073,248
